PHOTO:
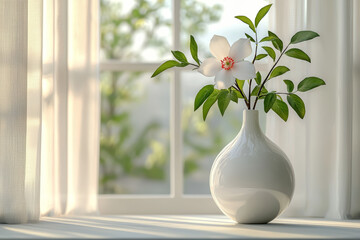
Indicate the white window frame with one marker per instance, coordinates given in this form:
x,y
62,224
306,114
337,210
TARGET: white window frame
x,y
176,202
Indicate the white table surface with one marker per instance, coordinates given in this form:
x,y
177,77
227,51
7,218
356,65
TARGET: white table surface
x,y
178,227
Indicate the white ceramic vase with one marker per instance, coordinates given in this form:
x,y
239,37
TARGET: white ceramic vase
x,y
252,180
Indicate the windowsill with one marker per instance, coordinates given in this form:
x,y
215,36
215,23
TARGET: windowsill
x,y
178,226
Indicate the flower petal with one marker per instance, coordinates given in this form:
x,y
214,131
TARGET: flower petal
x,y
210,67
219,47
224,79
243,70
240,49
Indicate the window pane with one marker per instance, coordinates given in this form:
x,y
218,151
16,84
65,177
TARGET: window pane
x,y
202,141
218,17
134,145
133,30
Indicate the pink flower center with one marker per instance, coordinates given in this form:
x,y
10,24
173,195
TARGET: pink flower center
x,y
227,63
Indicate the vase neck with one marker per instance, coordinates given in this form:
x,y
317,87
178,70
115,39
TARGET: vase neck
x,y
251,120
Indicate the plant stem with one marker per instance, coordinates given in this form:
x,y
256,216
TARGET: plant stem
x,y
285,93
192,64
256,47
253,61
236,86
250,94
267,76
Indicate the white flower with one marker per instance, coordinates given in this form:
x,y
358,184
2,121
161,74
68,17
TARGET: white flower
x,y
228,62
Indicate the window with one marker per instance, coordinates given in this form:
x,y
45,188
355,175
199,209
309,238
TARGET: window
x,y
156,153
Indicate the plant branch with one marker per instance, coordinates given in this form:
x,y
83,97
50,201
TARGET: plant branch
x,y
285,93
250,93
253,61
236,86
267,76
256,47
195,65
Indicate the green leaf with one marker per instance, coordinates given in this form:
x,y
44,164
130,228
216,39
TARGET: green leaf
x,y
268,38
202,95
271,52
260,56
233,95
289,85
297,104
223,100
238,94
298,53
279,70
255,91
310,83
240,83
180,56
247,21
281,109
209,102
166,65
194,49
183,64
303,36
262,12
258,78
278,44
270,99
249,37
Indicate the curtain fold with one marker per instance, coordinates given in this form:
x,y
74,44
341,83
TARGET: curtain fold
x,y
49,108
324,147
70,171
84,106
20,109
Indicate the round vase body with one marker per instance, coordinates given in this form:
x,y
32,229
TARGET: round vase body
x,y
252,180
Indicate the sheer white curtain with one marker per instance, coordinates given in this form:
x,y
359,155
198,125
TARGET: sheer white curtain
x,y
324,147
49,106
20,110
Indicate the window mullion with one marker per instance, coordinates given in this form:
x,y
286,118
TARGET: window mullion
x,y
116,65
176,163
